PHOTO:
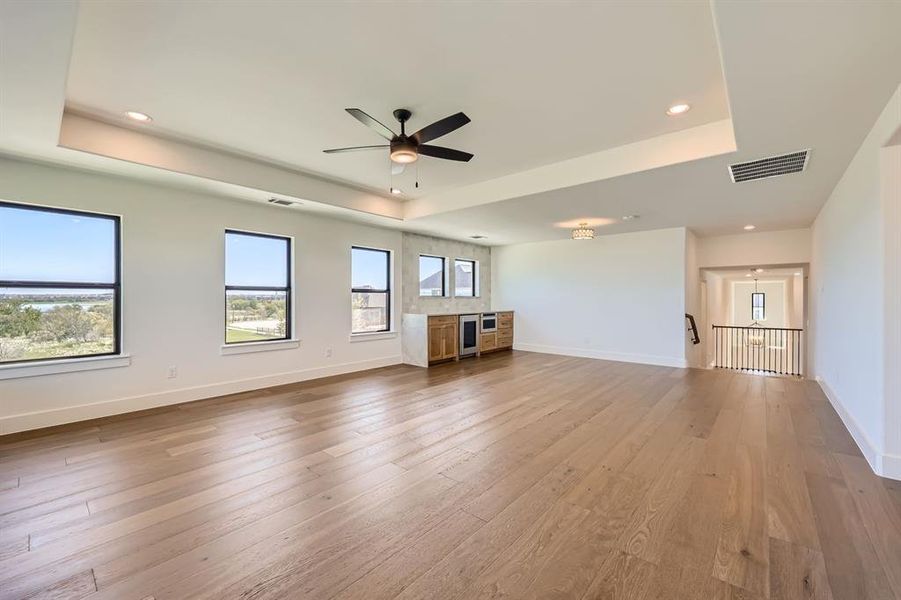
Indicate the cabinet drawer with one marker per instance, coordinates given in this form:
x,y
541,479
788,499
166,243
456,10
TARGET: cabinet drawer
x,y
504,341
505,318
488,342
443,319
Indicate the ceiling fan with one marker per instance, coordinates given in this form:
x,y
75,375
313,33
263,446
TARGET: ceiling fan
x,y
405,149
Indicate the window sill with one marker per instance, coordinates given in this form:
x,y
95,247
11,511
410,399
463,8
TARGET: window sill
x,y
248,347
376,335
63,365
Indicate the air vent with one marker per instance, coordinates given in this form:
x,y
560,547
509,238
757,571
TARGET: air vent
x,y
281,202
773,166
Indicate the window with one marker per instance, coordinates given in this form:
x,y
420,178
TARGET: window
x,y
464,277
257,287
370,290
59,284
758,306
431,275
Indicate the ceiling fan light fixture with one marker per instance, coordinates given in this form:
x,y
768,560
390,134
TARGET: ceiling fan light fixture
x,y
404,152
583,232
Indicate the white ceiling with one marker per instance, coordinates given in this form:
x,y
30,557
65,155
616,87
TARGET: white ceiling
x,y
541,82
567,104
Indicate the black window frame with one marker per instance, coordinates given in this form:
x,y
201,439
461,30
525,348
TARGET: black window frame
x,y
386,291
288,289
116,286
475,282
443,260
762,306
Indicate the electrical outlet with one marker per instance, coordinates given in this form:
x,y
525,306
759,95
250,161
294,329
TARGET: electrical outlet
x,y
328,352
173,372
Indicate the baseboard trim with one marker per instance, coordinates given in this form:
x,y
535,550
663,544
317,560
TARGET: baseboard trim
x,y
106,408
891,466
645,359
881,464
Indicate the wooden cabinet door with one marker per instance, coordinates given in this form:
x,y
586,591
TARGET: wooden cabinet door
x,y
449,338
442,341
436,342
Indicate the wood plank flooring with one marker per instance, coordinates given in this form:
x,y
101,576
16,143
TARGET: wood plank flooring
x,y
517,475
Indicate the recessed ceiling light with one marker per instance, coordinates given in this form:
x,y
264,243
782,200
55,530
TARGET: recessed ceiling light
x,y
678,109
747,274
396,191
750,227
138,116
758,270
631,217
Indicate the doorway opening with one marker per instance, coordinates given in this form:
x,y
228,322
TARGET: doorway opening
x,y
755,318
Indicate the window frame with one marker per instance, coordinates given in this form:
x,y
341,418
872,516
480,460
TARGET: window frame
x,y
116,286
289,289
443,260
386,291
762,306
475,278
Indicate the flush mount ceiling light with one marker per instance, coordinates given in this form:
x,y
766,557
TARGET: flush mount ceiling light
x,y
583,232
678,109
135,115
630,217
750,227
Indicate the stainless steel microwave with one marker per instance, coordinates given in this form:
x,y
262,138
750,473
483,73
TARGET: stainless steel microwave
x,y
489,322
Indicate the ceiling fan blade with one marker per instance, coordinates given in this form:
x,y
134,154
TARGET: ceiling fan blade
x,y
439,128
371,123
397,168
355,149
446,153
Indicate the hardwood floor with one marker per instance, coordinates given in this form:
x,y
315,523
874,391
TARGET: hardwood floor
x,y
516,475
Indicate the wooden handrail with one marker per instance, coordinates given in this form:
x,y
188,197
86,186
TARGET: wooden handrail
x,y
693,328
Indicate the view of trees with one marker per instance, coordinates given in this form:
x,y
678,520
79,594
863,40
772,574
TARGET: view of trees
x,y
49,326
255,317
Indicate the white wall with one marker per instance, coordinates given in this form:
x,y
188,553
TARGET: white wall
x,y
776,303
173,242
414,245
618,297
891,205
718,312
796,295
694,353
789,247
848,299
